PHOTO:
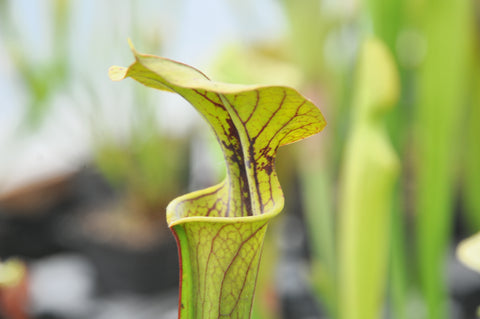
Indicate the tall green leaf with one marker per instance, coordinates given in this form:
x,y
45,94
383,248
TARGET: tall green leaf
x,y
368,176
471,178
441,93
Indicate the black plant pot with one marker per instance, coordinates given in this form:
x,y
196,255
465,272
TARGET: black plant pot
x,y
129,270
129,254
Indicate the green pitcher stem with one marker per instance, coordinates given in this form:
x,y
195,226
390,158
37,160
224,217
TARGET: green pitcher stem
x,y
219,267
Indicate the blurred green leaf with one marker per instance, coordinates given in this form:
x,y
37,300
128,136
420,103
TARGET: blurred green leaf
x,y
471,173
43,79
257,64
368,175
442,85
308,30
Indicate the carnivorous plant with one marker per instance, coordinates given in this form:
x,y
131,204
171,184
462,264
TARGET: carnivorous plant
x,y
220,230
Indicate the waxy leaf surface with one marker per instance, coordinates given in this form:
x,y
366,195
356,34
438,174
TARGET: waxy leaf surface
x,y
220,229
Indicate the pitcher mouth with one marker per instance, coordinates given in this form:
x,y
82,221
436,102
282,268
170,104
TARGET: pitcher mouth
x,y
176,216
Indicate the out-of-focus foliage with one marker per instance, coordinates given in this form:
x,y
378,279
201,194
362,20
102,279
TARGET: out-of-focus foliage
x,y
425,128
150,167
471,147
440,106
368,175
45,79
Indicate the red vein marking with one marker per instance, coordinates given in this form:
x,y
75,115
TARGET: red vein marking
x,y
205,96
233,134
239,153
191,200
276,147
251,160
284,125
237,298
270,118
235,257
296,129
254,108
207,263
212,208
